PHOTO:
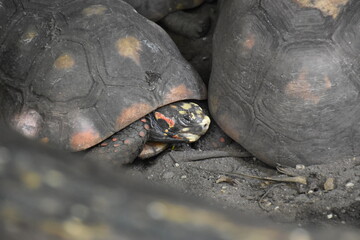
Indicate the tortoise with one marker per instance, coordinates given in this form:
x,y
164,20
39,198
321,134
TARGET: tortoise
x,y
155,10
170,15
284,82
74,73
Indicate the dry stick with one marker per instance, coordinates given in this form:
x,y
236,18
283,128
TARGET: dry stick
x,y
191,156
297,179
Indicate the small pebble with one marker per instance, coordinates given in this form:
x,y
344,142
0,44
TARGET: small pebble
x,y
330,216
349,185
329,184
183,177
276,208
267,204
168,175
177,165
204,58
300,166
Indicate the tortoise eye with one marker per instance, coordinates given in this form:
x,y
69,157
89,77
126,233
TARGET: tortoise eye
x,y
187,117
163,124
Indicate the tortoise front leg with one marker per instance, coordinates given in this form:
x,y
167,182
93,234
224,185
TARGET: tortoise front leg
x,y
122,147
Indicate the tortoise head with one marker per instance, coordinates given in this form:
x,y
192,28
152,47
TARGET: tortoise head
x,y
178,122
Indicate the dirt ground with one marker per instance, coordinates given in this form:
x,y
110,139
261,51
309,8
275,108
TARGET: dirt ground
x,y
331,195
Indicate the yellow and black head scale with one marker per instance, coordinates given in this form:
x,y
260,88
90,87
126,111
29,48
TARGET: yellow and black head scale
x,y
180,121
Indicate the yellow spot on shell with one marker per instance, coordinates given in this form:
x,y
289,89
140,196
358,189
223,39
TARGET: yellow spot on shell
x,y
28,36
182,112
31,180
94,10
129,47
327,7
64,61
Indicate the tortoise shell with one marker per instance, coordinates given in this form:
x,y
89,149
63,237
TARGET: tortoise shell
x,y
157,9
285,79
72,73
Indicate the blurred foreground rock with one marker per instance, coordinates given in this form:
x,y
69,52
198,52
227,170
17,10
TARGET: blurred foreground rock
x,y
46,194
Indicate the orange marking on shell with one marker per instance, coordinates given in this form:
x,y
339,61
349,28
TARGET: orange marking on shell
x,y
178,93
222,140
104,144
114,139
249,42
143,120
169,121
127,141
146,126
97,9
327,82
44,140
301,88
132,113
129,47
84,139
64,61
116,145
327,7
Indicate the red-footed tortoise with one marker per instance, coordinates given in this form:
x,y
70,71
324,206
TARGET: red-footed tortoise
x,y
285,78
74,73
169,14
